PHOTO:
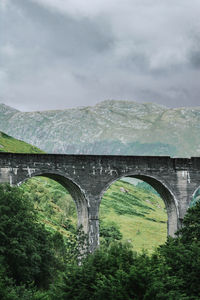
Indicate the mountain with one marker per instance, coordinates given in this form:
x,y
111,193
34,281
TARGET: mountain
x,y
9,144
110,127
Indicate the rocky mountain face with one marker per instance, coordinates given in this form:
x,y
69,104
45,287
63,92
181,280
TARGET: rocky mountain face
x,y
110,127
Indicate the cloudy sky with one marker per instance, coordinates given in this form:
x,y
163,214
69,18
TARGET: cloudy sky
x,y
56,54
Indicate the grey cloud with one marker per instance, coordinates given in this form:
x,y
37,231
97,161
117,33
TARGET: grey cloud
x,y
132,50
48,34
194,54
195,59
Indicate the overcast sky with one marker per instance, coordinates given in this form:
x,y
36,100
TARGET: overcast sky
x,y
56,54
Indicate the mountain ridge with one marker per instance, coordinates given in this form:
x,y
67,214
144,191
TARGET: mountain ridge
x,y
117,127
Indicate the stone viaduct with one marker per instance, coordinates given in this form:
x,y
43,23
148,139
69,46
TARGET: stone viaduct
x,y
87,177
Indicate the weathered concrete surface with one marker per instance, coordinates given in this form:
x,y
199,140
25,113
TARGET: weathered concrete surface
x,y
87,177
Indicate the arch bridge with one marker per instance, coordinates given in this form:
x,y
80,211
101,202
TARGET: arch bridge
x,y
87,177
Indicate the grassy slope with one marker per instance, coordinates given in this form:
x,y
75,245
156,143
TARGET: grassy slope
x,y
53,202
9,144
140,214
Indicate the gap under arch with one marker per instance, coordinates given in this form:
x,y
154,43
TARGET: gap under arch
x,y
195,196
74,190
165,194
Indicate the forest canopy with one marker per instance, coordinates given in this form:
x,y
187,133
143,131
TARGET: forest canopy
x,y
38,264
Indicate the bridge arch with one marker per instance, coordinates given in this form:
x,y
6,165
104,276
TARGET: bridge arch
x,y
164,191
74,189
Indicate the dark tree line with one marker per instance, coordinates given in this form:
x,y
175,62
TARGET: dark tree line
x,y
36,264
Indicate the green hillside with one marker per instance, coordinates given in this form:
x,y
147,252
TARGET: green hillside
x,y
139,214
9,144
54,204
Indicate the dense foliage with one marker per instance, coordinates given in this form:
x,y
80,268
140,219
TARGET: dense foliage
x,y
117,272
37,264
30,256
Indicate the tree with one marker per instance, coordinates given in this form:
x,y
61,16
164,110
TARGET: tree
x,y
25,246
116,272
110,232
180,256
191,225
